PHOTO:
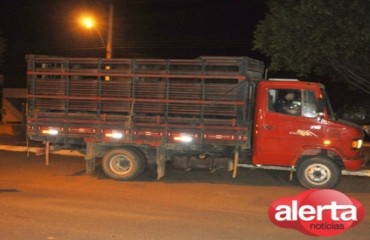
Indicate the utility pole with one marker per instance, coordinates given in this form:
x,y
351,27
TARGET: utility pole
x,y
109,45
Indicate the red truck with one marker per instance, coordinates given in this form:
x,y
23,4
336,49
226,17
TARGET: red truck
x,y
207,113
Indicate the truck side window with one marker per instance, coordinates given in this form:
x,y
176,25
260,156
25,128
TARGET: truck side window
x,y
287,101
271,100
309,105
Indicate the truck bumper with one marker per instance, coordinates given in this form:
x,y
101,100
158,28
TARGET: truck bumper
x,y
355,164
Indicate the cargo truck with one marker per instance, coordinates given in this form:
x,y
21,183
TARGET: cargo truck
x,y
212,113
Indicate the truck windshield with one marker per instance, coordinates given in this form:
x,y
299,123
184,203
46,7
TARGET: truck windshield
x,y
327,104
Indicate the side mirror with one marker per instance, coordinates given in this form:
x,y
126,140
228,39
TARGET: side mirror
x,y
320,116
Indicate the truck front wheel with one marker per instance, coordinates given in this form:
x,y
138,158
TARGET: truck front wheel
x,y
318,172
122,164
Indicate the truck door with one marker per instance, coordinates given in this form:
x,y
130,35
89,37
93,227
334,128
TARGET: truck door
x,y
285,123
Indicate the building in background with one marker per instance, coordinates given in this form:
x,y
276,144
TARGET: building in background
x,y
13,105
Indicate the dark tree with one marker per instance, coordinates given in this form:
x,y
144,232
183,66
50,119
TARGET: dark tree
x,y
315,36
2,48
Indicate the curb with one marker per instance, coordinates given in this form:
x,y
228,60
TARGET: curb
x,y
361,173
39,150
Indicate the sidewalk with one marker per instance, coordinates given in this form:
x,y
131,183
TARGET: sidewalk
x,y
13,138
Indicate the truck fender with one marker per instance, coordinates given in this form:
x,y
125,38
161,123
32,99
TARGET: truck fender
x,y
306,151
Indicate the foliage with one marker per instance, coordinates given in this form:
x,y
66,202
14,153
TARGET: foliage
x,y
315,36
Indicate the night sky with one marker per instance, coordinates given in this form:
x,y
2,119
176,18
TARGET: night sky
x,y
141,29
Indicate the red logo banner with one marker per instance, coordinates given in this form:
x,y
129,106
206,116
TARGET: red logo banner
x,y
317,212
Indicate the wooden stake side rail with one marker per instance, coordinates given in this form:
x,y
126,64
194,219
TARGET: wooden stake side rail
x,y
145,99
195,68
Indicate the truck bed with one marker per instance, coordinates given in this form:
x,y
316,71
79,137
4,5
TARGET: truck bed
x,y
145,101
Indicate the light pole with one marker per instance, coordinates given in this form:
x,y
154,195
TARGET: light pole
x,y
110,33
89,23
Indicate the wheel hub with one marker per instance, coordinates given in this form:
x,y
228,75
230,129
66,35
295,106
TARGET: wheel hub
x,y
318,173
120,164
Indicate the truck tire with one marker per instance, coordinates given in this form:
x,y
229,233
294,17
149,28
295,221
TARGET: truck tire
x,y
122,164
318,172
141,155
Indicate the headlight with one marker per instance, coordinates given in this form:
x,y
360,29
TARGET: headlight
x,y
357,143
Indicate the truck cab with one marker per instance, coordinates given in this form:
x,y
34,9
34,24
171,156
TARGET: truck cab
x,y
304,133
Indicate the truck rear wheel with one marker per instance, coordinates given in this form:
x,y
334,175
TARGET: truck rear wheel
x,y
122,164
141,156
318,172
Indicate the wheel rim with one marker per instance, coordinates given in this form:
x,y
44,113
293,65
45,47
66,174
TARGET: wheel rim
x,y
317,174
120,164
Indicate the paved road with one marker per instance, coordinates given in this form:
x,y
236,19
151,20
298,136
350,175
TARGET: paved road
x,y
60,202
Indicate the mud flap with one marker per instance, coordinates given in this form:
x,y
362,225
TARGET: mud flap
x,y
161,163
236,162
47,153
92,149
90,166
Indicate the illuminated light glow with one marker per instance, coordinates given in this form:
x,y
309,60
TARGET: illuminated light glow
x,y
107,78
50,132
327,142
183,138
87,22
360,142
357,144
115,135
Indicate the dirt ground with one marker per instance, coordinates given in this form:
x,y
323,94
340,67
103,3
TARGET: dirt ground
x,y
60,202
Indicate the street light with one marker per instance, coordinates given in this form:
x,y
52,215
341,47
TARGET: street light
x,y
89,23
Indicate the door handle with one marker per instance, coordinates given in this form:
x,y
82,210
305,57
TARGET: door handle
x,y
267,127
